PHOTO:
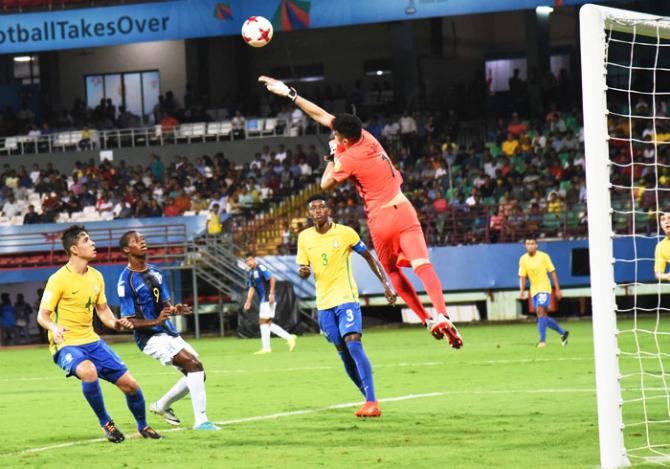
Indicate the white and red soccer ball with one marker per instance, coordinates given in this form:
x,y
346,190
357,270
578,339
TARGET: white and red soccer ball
x,y
257,31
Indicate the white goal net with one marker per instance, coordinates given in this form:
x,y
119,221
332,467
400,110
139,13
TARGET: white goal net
x,y
626,88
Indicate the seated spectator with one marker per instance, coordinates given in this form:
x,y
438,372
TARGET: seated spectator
x,y
554,205
104,203
214,226
11,207
86,136
170,209
31,217
510,146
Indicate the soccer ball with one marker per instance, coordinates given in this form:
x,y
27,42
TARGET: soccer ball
x,y
257,31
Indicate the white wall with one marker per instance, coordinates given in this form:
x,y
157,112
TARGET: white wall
x,y
168,57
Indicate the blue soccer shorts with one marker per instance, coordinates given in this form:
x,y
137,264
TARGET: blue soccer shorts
x,y
542,300
341,320
107,363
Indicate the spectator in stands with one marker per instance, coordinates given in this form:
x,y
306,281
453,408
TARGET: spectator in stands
x,y
11,207
214,226
554,205
182,202
407,130
238,123
31,217
510,146
170,209
157,167
154,210
7,320
86,136
168,125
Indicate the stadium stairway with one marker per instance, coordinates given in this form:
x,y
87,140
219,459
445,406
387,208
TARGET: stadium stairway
x,y
262,234
217,264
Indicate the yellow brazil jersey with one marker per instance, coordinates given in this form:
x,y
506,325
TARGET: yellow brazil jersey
x,y
662,256
536,268
71,298
329,255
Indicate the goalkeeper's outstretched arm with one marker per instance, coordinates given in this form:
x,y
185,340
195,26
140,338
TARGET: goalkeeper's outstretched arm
x,y
314,111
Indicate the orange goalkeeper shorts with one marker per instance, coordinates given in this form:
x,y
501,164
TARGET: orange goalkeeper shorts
x,y
397,236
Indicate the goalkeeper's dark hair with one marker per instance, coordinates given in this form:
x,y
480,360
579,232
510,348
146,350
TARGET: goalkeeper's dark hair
x,y
349,126
314,197
125,239
70,236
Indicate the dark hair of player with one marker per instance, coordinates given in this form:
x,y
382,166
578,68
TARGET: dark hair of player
x,y
70,236
349,126
531,237
249,254
314,197
125,238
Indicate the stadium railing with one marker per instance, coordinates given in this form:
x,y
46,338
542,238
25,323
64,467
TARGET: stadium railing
x,y
43,249
150,136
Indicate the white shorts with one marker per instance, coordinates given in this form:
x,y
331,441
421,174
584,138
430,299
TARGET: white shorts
x,y
164,347
266,311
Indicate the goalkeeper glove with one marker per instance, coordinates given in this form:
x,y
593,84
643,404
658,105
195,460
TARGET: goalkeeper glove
x,y
279,87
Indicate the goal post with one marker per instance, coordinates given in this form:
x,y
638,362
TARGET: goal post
x,y
597,26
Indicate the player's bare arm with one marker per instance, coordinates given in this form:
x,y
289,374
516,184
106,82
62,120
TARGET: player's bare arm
x,y
522,287
314,111
328,182
148,323
271,295
109,320
376,268
557,287
304,271
44,320
250,297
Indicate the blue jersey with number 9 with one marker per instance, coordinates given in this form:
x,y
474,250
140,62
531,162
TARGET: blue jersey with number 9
x,y
143,295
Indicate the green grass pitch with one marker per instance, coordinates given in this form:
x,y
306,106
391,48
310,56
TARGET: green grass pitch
x,y
498,402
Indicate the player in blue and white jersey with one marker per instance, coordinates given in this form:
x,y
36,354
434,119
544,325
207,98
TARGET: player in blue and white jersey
x,y
260,280
145,302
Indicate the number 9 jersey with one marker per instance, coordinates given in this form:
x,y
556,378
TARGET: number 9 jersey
x,y
142,296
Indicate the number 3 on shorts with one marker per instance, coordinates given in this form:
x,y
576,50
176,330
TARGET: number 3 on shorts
x,y
350,316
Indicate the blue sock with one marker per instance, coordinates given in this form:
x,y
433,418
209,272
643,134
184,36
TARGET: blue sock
x,y
542,328
551,322
350,367
364,369
93,395
138,408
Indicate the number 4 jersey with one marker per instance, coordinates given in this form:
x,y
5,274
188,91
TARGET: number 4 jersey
x,y
329,255
71,298
142,295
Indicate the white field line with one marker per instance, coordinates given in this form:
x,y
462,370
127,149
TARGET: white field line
x,y
317,368
317,410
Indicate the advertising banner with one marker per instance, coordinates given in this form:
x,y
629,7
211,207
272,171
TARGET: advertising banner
x,y
183,19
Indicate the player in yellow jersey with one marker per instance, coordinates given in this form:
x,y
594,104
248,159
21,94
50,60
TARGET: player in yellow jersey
x,y
325,249
66,311
662,254
536,265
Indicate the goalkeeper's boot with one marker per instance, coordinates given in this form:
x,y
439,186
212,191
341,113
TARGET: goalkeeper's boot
x,y
148,432
442,327
112,433
564,338
369,409
168,414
